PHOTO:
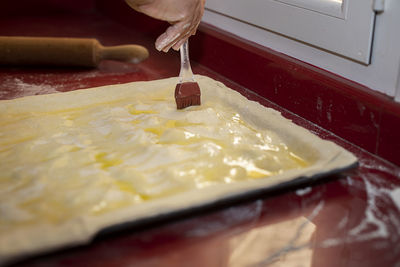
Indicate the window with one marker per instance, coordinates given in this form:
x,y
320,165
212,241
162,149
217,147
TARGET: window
x,y
342,27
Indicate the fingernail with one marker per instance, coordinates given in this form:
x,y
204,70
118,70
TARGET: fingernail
x,y
161,43
158,47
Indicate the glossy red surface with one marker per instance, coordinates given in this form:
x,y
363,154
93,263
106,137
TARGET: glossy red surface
x,y
389,145
350,219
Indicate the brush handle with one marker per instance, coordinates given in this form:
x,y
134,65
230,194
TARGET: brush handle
x,y
186,74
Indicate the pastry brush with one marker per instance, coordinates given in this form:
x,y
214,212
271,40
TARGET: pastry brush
x,y
187,91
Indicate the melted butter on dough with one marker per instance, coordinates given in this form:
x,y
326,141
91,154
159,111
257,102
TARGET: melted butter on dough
x,y
59,165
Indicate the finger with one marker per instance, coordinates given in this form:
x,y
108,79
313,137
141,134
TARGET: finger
x,y
170,35
179,32
191,31
173,34
176,44
180,42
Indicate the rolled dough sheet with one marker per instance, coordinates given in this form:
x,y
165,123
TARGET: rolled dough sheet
x,y
74,163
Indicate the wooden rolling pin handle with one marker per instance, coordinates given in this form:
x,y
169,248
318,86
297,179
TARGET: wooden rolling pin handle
x,y
85,52
129,53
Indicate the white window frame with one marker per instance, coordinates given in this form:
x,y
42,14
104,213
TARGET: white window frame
x,y
334,8
345,28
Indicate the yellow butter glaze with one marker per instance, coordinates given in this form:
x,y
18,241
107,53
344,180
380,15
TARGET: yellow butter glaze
x,y
59,165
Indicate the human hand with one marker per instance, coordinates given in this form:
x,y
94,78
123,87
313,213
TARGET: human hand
x,y
183,15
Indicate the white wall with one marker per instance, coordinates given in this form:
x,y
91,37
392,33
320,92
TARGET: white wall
x,y
383,74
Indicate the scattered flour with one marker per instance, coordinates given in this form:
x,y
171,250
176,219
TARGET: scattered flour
x,y
24,89
395,194
303,191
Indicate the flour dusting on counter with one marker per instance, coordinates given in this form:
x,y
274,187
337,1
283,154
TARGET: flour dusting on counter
x,y
396,197
20,88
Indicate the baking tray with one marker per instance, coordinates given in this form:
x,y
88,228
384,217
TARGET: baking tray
x,y
326,158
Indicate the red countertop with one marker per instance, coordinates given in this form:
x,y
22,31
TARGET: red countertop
x,y
348,219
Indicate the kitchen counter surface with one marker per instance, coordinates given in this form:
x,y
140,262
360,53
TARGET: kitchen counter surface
x,y
349,219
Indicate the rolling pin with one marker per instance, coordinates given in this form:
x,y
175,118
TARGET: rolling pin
x,y
49,51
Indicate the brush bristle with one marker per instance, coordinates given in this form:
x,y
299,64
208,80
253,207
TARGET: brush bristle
x,y
187,94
